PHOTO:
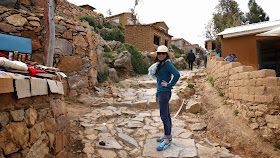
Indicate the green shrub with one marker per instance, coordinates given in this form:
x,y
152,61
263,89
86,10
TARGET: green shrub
x,y
99,26
236,112
100,14
190,85
72,100
177,55
114,34
225,102
101,77
120,26
116,80
109,54
211,81
276,145
140,66
221,94
177,50
107,25
90,19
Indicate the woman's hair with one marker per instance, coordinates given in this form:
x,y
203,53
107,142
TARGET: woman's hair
x,y
160,63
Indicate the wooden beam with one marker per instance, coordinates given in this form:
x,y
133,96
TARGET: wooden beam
x,y
50,32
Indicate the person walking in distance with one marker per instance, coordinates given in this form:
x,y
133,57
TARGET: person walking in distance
x,y
190,58
163,70
197,58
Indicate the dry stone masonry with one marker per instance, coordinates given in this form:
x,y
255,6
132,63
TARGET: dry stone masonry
x,y
256,90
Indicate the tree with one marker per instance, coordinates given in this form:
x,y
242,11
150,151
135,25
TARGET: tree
x,y
227,15
109,12
134,13
256,13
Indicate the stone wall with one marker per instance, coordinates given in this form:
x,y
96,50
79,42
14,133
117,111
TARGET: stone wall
x,y
257,93
77,47
33,127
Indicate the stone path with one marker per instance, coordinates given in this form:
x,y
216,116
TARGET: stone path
x,y
125,122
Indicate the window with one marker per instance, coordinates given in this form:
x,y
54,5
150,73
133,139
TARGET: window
x,y
162,29
117,20
166,43
156,40
129,21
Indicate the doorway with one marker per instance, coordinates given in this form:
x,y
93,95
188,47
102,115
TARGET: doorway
x,y
269,55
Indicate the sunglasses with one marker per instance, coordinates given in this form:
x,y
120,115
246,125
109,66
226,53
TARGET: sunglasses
x,y
161,53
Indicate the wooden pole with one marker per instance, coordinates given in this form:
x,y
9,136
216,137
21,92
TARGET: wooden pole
x,y
50,32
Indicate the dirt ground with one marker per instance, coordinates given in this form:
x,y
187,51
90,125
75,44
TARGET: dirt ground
x,y
223,125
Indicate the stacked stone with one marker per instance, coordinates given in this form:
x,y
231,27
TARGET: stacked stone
x,y
257,91
77,48
25,24
33,127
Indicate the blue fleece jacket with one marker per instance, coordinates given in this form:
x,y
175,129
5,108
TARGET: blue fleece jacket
x,y
165,74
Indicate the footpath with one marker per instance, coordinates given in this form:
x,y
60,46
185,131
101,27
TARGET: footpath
x,y
123,121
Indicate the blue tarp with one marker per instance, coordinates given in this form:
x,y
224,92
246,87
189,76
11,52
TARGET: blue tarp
x,y
15,43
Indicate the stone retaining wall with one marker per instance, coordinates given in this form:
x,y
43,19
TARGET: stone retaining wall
x,y
33,127
257,93
77,47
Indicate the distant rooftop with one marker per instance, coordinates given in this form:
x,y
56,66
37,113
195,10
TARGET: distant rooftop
x,y
249,29
86,6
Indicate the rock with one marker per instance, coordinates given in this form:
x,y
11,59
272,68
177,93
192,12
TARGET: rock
x,y
4,119
8,3
63,47
267,134
79,41
68,35
122,154
39,3
33,18
114,45
198,126
17,20
273,121
205,152
34,23
39,148
147,57
109,142
102,129
88,149
30,117
7,28
80,28
59,29
70,64
91,137
135,152
113,73
107,153
128,139
17,115
132,124
35,133
254,126
177,131
180,62
123,61
226,145
193,106
50,125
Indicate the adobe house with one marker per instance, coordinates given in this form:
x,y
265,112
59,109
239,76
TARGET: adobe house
x,y
124,18
148,37
210,45
88,7
251,46
179,42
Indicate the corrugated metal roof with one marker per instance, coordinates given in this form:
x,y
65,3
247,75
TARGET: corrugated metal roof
x,y
249,29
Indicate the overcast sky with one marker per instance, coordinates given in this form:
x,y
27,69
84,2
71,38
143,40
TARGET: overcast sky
x,y
185,18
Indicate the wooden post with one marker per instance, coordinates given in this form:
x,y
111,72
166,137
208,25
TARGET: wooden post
x,y
50,32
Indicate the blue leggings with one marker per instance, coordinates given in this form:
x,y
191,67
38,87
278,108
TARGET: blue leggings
x,y
163,98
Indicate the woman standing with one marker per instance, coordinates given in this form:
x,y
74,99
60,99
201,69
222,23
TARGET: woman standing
x,y
163,69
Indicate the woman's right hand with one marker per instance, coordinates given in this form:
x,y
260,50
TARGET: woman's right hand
x,y
157,99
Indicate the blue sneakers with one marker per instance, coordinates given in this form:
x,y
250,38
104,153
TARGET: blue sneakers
x,y
161,139
163,145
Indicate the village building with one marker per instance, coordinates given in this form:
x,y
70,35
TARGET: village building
x,y
185,45
88,7
148,37
125,18
210,45
253,45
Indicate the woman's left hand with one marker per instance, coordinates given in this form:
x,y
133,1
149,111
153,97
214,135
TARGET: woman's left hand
x,y
164,83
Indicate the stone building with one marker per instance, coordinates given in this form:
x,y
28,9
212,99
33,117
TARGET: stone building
x,y
179,42
124,18
148,37
210,45
251,46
